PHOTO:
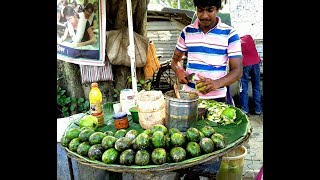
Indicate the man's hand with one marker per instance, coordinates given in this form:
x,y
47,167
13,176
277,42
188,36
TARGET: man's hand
x,y
205,85
181,75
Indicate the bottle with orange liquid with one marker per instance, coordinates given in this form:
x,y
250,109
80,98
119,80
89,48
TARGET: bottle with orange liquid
x,y
95,99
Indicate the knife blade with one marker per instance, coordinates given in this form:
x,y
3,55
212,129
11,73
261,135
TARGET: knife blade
x,y
191,82
190,77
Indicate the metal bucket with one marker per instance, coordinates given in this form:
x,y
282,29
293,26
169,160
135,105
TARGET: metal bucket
x,y
180,113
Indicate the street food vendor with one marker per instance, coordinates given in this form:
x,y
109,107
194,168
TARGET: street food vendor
x,y
212,46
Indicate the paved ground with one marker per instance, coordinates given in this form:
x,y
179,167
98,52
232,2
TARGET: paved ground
x,y
254,158
253,161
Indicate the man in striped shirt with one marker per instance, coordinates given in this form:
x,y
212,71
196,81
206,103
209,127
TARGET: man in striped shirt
x,y
211,45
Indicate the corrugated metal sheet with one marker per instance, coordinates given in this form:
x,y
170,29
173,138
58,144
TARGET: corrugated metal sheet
x,y
164,34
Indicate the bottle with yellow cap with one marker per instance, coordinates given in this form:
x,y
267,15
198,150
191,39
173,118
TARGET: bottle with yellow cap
x,y
95,99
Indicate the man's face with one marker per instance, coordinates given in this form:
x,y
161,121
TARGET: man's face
x,y
207,15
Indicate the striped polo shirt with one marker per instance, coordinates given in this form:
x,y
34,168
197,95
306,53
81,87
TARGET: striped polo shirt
x,y
208,53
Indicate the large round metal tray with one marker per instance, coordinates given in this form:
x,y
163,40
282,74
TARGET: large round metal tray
x,y
235,135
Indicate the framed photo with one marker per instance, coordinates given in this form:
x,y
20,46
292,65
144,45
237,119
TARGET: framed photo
x,y
81,31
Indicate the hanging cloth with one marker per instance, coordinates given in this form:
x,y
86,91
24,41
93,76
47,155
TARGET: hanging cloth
x,y
152,64
91,74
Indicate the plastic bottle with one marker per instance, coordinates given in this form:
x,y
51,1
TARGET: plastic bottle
x,y
95,99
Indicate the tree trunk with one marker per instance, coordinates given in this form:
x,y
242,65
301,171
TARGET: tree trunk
x,y
61,82
139,20
73,78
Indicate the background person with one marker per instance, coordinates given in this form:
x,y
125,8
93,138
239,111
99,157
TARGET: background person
x,y
77,7
251,68
89,15
78,30
61,5
96,10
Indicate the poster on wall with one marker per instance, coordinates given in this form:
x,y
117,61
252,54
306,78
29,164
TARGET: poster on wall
x,y
80,31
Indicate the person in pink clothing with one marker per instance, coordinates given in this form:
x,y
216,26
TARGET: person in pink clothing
x,y
251,68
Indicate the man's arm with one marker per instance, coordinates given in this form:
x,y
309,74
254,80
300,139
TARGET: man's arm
x,y
175,61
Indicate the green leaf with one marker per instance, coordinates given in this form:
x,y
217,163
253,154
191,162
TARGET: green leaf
x,y
68,100
80,108
61,102
129,79
62,92
66,114
72,107
148,86
58,89
115,95
80,100
141,81
64,109
73,99
86,104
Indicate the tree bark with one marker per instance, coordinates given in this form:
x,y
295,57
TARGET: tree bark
x,y
121,73
140,18
122,18
61,82
73,79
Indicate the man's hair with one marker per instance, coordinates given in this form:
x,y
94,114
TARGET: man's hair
x,y
89,6
206,3
68,11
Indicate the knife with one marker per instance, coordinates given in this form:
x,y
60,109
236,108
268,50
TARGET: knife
x,y
190,77
191,82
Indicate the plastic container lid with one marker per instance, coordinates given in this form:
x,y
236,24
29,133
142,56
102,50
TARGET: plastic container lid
x,y
133,109
94,84
119,115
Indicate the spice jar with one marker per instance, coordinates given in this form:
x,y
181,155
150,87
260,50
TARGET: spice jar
x,y
121,120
